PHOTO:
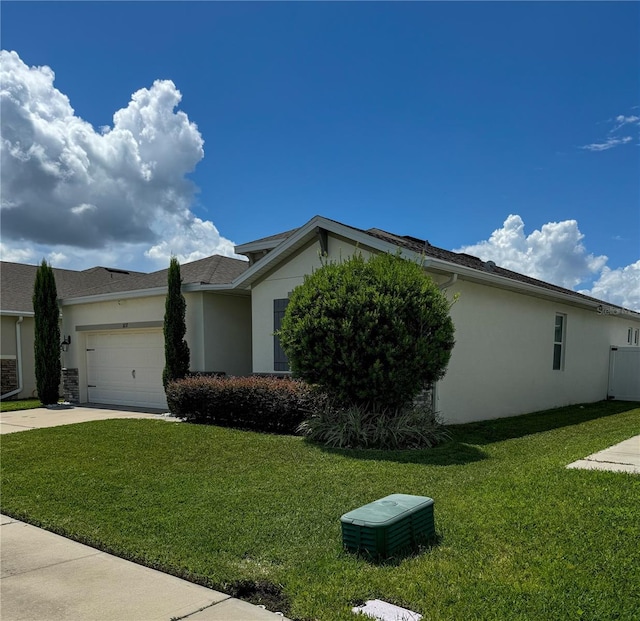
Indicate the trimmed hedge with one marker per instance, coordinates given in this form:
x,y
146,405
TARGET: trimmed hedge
x,y
255,403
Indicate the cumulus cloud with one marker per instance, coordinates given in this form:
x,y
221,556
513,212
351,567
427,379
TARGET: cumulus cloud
x,y
555,253
619,286
120,190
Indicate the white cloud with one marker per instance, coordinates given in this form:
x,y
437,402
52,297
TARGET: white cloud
x,y
555,253
608,144
203,236
619,286
621,120
612,140
121,191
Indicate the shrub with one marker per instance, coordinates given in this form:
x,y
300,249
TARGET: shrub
x,y
46,335
372,333
412,427
176,350
256,403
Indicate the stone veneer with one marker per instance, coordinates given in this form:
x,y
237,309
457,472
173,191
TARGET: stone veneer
x,y
70,385
8,374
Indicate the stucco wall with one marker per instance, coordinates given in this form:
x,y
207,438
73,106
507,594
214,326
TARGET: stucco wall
x,y
218,329
227,334
278,284
502,363
99,314
8,348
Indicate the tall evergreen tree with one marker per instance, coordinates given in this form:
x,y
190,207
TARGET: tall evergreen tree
x,y
176,350
47,335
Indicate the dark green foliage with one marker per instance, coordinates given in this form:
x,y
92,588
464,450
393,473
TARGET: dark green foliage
x,y
257,403
176,350
372,333
47,335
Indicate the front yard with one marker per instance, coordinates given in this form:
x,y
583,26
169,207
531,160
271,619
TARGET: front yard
x,y
519,536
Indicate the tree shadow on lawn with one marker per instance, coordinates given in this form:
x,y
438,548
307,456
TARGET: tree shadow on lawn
x,y
499,429
449,453
462,447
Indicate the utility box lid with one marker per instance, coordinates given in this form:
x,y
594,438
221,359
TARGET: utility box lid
x,y
386,511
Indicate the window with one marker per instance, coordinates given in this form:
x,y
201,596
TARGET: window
x,y
636,337
280,361
558,342
630,336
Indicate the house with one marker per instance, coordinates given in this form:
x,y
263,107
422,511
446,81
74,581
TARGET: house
x,y
522,345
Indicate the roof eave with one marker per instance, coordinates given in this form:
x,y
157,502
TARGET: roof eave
x,y
16,313
305,234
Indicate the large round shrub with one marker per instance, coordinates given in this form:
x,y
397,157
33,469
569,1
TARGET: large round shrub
x,y
370,332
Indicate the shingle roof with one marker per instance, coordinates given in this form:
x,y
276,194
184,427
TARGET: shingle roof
x,y
214,270
17,279
467,260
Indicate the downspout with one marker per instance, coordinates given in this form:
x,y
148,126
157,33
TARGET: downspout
x,y
448,283
434,390
18,390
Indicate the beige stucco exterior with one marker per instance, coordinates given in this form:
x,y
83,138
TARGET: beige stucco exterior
x,y
9,350
278,284
218,332
502,363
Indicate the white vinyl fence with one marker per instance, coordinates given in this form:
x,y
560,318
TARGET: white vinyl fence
x,y
624,374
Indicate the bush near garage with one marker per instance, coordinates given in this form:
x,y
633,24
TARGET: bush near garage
x,y
267,404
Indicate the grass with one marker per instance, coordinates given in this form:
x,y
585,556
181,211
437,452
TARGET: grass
x,y
519,536
20,404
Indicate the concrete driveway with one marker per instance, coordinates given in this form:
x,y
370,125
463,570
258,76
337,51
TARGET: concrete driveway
x,y
23,420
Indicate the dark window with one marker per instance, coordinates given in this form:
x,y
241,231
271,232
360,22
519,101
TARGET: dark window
x,y
280,362
558,342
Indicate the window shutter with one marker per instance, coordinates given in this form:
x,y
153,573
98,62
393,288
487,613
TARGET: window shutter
x,y
280,361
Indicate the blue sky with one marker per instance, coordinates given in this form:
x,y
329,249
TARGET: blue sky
x,y
438,120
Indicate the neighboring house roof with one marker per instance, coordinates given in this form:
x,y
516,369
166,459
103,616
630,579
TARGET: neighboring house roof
x,y
17,280
214,270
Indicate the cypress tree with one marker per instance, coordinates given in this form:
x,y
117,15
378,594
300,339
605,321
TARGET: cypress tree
x,y
176,350
47,335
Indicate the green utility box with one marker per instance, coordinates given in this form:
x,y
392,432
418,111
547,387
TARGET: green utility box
x,y
391,525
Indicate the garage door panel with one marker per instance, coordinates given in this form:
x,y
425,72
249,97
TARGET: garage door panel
x,y
125,368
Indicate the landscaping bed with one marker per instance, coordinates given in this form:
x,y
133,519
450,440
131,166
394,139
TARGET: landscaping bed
x,y
518,535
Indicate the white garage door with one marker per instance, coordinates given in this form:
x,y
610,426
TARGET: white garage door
x,y
125,368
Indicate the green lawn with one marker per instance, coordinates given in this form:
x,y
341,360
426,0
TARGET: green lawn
x,y
21,404
519,536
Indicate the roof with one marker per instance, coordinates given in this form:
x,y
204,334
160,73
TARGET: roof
x,y
17,280
214,270
467,260
438,259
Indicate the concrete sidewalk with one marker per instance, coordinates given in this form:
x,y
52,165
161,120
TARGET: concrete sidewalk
x,y
46,577
622,457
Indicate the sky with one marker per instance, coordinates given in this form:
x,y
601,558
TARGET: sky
x,y
132,131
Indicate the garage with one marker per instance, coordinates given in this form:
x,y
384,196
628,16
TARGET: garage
x,y
125,368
